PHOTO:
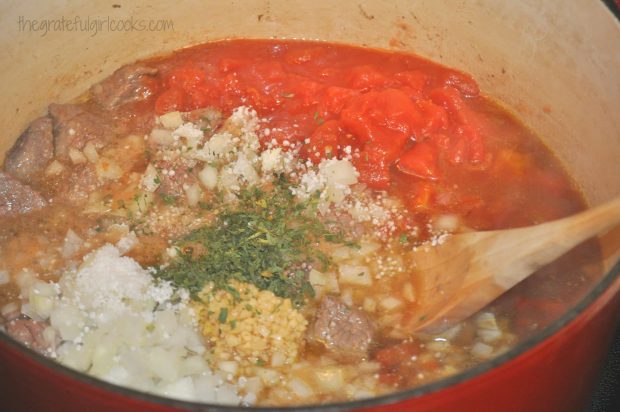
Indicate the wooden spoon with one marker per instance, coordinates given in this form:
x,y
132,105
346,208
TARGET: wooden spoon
x,y
461,274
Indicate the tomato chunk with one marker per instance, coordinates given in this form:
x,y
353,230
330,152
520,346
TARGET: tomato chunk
x,y
420,161
305,55
186,78
435,117
301,92
367,77
464,83
451,100
414,82
371,116
171,100
334,100
324,142
382,122
373,170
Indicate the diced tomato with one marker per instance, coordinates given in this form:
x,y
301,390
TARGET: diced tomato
x,y
330,73
323,143
230,65
435,117
305,55
414,81
197,98
367,78
373,165
464,83
185,78
374,171
382,122
262,102
230,84
468,147
171,100
451,100
283,130
334,100
270,71
372,115
303,91
457,151
441,140
420,161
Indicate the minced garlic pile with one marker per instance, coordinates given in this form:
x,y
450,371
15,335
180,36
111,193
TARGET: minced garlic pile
x,y
253,328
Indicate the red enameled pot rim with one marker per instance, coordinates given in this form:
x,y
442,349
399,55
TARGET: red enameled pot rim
x,y
608,280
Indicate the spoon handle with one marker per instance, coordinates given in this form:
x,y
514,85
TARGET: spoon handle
x,y
535,246
492,262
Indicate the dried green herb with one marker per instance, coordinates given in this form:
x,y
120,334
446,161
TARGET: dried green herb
x,y
265,240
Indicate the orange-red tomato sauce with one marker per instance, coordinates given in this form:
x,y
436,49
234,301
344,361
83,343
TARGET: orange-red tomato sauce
x,y
423,131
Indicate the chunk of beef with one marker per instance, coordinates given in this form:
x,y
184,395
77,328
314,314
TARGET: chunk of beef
x,y
80,183
344,331
33,150
124,86
28,332
74,126
17,198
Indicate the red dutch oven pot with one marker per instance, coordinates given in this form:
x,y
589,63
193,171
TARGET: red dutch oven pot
x,y
556,66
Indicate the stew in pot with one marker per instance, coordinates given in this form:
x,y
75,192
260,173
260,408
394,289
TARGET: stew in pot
x,y
234,223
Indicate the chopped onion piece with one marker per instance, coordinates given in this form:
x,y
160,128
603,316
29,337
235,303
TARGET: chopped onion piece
x,y
447,222
76,156
408,292
90,152
193,194
390,303
488,330
354,275
161,137
72,244
482,350
300,388
229,367
272,160
329,379
369,305
108,169
150,180
180,389
208,177
54,168
171,120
